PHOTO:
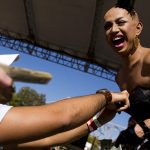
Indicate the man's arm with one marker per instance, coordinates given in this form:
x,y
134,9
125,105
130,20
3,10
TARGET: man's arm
x,y
23,124
58,139
64,137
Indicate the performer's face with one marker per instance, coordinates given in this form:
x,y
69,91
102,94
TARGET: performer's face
x,y
121,29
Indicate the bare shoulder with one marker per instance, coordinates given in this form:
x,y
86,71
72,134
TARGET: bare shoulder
x,y
147,55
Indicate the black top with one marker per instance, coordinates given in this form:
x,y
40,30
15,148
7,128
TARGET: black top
x,y
139,103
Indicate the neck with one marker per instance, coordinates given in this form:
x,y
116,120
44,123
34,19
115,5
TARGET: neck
x,y
133,56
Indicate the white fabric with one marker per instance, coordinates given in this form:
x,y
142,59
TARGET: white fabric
x,y
8,59
3,110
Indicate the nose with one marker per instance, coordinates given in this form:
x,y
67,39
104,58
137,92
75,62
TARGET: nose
x,y
115,28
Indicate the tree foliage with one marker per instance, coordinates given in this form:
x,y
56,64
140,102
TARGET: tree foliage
x,y
27,97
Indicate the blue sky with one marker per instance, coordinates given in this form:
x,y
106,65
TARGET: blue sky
x,y
66,82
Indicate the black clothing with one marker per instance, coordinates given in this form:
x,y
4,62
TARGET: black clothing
x,y
139,104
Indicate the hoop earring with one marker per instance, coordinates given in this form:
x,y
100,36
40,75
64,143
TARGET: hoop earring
x,y
136,43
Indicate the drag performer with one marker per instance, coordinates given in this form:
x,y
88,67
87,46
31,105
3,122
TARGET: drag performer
x,y
123,28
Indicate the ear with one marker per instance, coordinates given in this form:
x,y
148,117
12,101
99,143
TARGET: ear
x,y
139,28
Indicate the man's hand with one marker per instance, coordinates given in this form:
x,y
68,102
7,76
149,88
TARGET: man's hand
x,y
6,89
120,101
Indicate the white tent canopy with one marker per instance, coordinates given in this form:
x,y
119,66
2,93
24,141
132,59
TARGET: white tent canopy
x,y
71,26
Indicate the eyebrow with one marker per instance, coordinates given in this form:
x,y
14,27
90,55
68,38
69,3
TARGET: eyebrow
x,y
115,20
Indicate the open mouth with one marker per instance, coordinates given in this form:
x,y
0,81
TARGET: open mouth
x,y
118,41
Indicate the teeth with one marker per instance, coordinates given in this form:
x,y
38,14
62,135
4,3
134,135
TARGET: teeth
x,y
117,38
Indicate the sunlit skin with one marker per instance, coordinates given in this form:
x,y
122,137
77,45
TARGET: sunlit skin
x,y
122,32
37,126
119,24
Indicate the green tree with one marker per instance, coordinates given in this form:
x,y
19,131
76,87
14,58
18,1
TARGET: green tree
x,y
27,97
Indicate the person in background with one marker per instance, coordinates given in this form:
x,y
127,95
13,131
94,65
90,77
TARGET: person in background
x,y
126,146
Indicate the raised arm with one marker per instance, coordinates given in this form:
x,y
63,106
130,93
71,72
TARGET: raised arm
x,y
66,137
24,124
58,139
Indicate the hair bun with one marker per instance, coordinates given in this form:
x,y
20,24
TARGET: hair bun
x,y
126,4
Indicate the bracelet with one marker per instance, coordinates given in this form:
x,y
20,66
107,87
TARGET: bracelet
x,y
107,94
93,123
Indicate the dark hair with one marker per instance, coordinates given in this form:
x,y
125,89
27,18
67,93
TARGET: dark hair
x,y
128,5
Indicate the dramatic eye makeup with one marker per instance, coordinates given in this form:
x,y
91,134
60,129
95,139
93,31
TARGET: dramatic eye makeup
x,y
107,25
119,21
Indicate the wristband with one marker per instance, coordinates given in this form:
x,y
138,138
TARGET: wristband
x,y
93,123
107,94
